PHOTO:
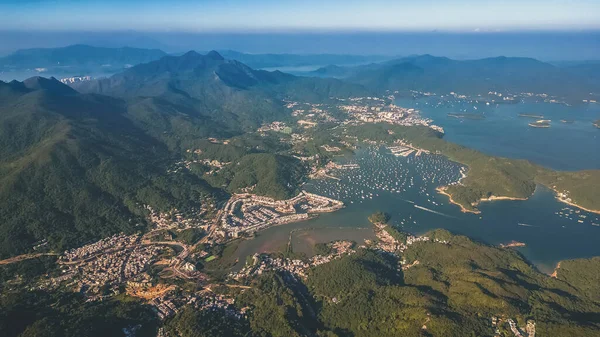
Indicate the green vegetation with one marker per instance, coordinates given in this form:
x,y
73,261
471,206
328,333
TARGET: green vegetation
x,y
222,258
80,167
278,307
454,291
364,295
36,313
395,233
581,186
226,93
581,275
271,175
322,249
480,280
72,171
25,272
190,236
489,176
76,168
379,218
194,323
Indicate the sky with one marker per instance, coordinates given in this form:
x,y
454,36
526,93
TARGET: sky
x,y
300,15
544,29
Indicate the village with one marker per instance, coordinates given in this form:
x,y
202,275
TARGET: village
x,y
98,269
357,111
262,263
391,241
121,263
527,331
363,110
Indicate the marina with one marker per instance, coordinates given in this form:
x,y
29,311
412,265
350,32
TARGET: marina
x,y
404,187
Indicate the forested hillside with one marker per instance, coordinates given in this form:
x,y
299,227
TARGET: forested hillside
x,y
76,168
227,91
456,288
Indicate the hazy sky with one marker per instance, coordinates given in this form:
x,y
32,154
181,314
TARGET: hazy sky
x,y
269,15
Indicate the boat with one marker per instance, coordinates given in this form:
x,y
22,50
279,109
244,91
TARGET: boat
x,y
542,123
531,116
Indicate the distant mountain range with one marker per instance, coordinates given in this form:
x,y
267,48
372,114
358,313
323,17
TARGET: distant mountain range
x,y
443,75
300,60
89,60
87,55
574,80
79,56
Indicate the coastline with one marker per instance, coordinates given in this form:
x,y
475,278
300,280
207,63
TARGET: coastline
x,y
512,244
555,273
442,190
570,203
494,198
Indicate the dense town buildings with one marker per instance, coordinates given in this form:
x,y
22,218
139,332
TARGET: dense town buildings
x,y
247,213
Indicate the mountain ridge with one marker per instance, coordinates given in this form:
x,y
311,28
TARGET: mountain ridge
x,y
441,74
78,55
79,166
244,97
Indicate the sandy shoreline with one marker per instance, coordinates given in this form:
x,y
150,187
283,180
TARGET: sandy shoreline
x,y
442,191
494,198
555,273
574,204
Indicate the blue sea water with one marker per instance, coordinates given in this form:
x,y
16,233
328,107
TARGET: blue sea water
x,y
563,146
405,188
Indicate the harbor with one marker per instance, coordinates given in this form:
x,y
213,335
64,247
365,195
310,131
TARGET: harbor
x,y
405,187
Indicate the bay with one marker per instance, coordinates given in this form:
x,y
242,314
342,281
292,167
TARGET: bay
x,y
574,145
404,187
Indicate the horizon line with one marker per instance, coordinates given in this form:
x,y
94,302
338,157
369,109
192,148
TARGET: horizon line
x,y
282,31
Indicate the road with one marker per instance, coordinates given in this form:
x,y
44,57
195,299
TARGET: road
x,y
24,257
